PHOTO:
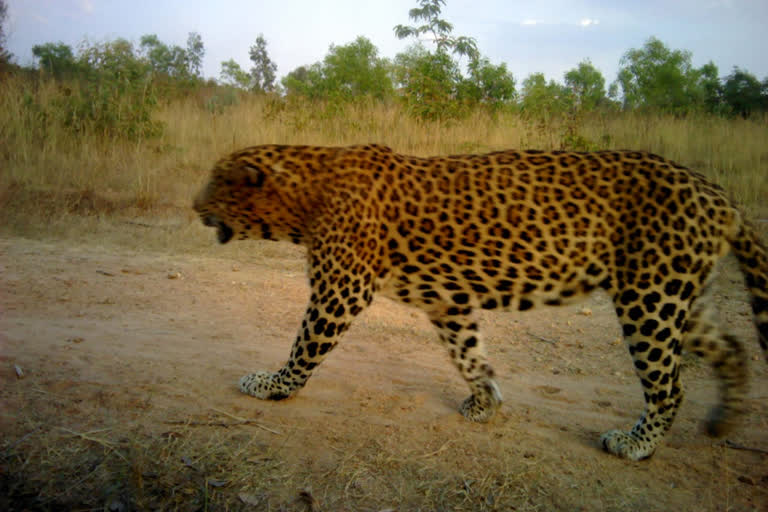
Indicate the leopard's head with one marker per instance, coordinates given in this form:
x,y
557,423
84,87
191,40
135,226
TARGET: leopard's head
x,y
246,197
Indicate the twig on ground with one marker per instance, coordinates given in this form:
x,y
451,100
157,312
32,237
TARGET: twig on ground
x,y
541,338
20,440
737,446
88,437
225,424
439,450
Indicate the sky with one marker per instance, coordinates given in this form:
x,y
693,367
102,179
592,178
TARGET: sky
x,y
549,36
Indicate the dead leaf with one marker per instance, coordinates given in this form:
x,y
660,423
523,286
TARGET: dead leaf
x,y
249,499
550,390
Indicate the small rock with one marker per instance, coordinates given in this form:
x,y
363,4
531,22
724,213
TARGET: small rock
x,y
585,312
174,275
19,371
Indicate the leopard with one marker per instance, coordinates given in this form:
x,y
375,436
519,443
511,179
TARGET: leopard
x,y
508,230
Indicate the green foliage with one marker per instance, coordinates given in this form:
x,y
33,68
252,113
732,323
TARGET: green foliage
x,y
355,70
544,99
56,59
232,74
432,84
5,57
107,87
348,72
195,54
165,60
117,95
711,88
306,81
657,78
440,30
429,83
743,94
263,70
587,86
489,85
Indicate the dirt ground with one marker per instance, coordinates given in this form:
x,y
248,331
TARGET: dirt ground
x,y
118,373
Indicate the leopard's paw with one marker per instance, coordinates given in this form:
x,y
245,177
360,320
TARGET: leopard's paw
x,y
481,407
721,420
626,445
264,385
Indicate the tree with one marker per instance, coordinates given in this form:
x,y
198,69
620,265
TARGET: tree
x,y
347,72
4,55
743,93
306,81
195,54
171,61
355,70
764,93
488,84
118,94
263,70
439,29
540,97
233,74
587,86
55,58
711,87
429,82
655,77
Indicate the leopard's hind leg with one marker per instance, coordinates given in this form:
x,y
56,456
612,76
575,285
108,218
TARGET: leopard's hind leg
x,y
705,338
459,333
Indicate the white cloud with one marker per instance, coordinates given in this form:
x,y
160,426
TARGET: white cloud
x,y
86,6
586,22
530,22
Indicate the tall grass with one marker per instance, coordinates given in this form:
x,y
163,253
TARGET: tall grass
x,y
50,172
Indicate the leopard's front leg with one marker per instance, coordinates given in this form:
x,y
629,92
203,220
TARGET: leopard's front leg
x,y
338,295
322,327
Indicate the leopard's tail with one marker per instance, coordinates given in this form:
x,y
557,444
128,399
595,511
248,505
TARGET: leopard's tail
x,y
753,261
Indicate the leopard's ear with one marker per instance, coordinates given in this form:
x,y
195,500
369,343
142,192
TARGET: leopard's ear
x,y
254,176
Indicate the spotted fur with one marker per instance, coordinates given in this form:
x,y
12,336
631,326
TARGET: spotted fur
x,y
509,230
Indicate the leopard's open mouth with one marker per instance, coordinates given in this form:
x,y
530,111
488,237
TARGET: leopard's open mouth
x,y
224,233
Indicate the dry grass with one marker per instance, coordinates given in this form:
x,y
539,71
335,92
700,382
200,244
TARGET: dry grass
x,y
213,463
